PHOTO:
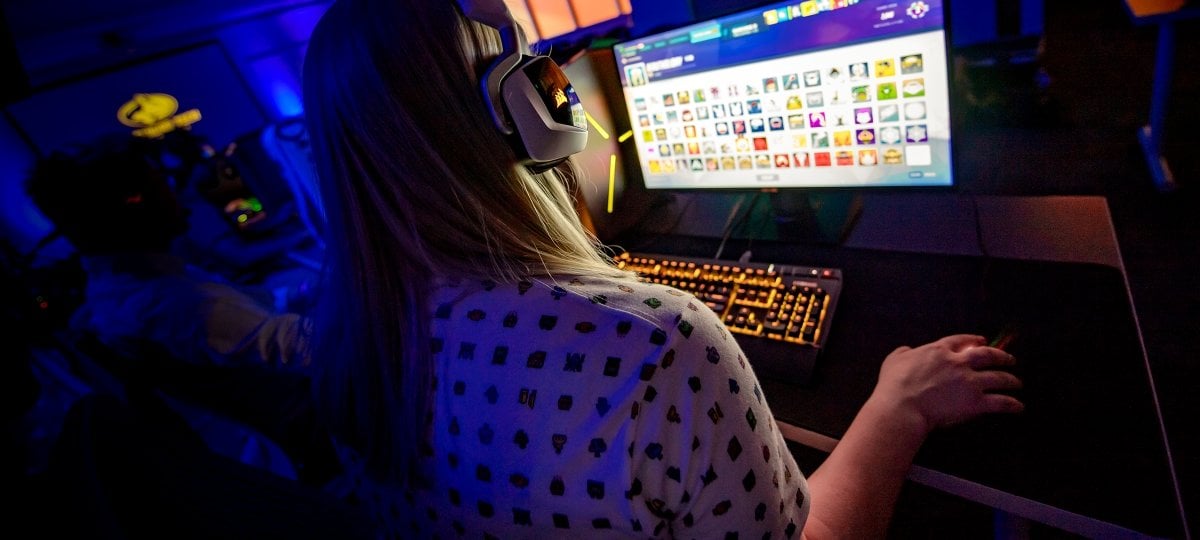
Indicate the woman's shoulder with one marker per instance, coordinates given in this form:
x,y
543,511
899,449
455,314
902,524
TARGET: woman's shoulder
x,y
637,302
671,317
652,303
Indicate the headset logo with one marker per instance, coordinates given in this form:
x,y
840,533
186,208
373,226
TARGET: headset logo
x,y
154,115
560,97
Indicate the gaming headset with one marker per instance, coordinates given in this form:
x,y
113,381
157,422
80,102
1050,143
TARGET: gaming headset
x,y
531,101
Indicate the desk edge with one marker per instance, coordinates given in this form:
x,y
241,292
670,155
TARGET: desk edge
x,y
979,493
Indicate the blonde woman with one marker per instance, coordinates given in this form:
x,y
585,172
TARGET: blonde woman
x,y
492,374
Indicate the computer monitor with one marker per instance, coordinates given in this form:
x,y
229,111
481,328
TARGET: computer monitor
x,y
813,94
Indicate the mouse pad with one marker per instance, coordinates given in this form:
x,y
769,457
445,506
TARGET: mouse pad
x,y
1089,440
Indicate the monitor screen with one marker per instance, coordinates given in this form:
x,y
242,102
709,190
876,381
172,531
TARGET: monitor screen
x,y
834,94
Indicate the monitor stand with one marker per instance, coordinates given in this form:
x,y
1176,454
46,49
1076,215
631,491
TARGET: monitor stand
x,y
815,218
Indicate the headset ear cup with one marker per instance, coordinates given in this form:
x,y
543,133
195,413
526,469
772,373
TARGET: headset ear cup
x,y
545,111
529,98
490,83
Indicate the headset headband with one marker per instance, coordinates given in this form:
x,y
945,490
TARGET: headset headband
x,y
494,13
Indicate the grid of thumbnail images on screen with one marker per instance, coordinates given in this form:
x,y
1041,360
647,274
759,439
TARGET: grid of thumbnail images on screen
x,y
866,114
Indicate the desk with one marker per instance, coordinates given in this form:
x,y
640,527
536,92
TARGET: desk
x,y
1089,455
1164,13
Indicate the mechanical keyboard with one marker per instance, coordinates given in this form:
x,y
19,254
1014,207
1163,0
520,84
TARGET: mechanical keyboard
x,y
780,314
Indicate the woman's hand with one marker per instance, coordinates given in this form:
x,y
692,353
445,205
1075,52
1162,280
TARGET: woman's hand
x,y
951,380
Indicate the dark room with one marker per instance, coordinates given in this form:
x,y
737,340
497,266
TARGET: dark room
x,y
600,268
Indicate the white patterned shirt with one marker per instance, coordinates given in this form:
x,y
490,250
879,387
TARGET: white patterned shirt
x,y
593,408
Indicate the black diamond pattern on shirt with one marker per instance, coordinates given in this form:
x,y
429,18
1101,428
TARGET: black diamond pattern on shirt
x,y
694,364
595,489
749,481
734,448
612,366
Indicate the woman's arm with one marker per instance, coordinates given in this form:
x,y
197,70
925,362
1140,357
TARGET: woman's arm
x,y
939,384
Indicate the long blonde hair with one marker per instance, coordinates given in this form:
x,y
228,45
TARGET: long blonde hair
x,y
417,184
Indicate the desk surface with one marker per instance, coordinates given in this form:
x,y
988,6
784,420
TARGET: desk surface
x,y
1089,437
1090,441
1058,228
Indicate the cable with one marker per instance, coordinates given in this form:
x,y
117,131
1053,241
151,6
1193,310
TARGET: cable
x,y
728,229
985,272
745,220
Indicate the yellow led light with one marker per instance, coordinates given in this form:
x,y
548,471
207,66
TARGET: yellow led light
x,y
612,180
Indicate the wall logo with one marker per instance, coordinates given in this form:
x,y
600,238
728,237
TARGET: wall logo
x,y
154,115
917,10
